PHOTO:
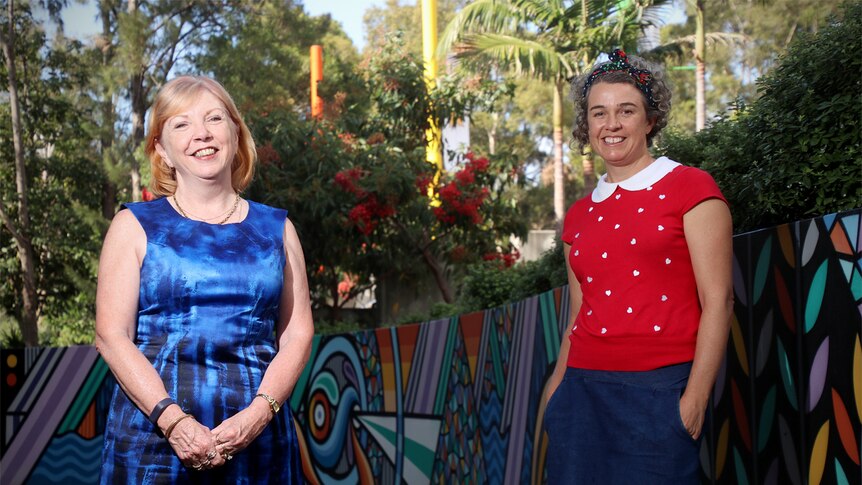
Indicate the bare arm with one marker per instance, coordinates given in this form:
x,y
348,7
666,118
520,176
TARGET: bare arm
x,y
708,232
116,319
575,297
295,332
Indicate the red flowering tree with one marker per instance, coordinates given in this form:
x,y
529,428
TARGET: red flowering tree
x,y
357,184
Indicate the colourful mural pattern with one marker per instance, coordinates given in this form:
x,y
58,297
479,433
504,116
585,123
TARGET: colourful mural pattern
x,y
458,399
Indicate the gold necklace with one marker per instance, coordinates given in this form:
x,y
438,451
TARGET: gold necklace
x,y
228,216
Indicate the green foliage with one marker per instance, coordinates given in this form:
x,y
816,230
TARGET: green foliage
x,y
795,152
734,66
489,284
64,178
356,187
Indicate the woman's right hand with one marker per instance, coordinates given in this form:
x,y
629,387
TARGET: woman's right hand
x,y
195,445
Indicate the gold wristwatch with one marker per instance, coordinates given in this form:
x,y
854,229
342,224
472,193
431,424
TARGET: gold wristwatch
x,y
273,404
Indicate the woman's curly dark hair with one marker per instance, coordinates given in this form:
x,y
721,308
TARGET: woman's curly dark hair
x,y
660,92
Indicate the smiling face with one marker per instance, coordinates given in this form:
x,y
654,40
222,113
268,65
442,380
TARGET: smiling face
x,y
618,124
200,140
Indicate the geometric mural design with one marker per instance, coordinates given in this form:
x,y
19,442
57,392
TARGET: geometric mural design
x,y
458,399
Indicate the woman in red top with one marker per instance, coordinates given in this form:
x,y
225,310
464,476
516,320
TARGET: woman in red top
x,y
648,255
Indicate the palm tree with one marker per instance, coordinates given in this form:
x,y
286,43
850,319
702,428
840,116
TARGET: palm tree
x,y
551,40
696,44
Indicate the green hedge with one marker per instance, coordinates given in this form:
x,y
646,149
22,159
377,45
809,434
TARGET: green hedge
x,y
794,153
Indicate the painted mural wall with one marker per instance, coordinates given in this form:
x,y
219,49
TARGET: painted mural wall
x,y
458,400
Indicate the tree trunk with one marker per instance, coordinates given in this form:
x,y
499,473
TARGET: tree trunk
x,y
492,133
559,180
700,66
139,111
109,188
26,255
439,277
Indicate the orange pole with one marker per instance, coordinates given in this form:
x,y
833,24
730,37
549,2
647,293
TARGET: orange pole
x,y
316,76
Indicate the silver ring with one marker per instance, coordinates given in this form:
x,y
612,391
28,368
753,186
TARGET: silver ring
x,y
212,454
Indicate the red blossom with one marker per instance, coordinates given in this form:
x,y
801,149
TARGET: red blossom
x,y
465,177
423,180
346,180
478,164
367,214
348,139
507,260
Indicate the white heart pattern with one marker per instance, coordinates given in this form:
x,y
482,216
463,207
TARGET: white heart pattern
x,y
629,310
660,227
636,272
577,235
664,298
591,209
640,210
616,226
634,241
608,292
577,252
617,197
589,279
605,255
600,218
667,261
589,312
661,197
604,330
656,328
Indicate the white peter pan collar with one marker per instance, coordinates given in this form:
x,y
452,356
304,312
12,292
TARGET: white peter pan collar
x,y
639,181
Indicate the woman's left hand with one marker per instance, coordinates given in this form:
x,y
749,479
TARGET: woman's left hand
x,y
238,431
692,415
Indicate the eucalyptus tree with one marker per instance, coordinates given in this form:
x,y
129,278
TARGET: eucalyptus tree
x,y
149,40
550,40
47,188
20,229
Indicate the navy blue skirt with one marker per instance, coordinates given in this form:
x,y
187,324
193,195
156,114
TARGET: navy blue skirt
x,y
610,427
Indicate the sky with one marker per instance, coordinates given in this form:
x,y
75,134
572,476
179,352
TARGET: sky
x,y
81,20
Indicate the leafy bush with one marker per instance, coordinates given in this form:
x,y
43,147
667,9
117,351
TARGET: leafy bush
x,y
794,153
489,284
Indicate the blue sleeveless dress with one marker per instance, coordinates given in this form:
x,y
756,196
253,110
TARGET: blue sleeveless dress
x,y
207,312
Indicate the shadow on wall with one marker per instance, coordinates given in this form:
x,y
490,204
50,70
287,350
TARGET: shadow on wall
x,y
457,400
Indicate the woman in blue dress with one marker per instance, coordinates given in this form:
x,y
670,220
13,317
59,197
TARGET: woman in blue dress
x,y
203,311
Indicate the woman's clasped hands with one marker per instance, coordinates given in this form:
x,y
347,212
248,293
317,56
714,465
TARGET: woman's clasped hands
x,y
194,444
200,448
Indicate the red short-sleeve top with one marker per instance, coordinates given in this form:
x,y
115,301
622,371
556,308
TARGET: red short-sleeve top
x,y
640,307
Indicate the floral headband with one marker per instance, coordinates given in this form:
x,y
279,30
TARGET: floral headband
x,y
619,63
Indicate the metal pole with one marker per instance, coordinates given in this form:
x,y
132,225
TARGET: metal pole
x,y
316,76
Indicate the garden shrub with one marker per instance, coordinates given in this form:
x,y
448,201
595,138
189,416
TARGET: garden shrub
x,y
794,153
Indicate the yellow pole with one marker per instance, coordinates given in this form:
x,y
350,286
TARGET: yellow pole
x,y
316,55
433,152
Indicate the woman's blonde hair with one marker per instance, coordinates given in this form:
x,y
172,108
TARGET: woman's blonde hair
x,y
174,96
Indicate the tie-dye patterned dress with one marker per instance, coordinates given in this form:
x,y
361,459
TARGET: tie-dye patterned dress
x,y
208,306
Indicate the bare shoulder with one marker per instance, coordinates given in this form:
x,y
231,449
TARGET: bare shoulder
x,y
292,246
125,234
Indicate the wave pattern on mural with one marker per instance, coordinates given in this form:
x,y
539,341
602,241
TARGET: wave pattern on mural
x,y
458,399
